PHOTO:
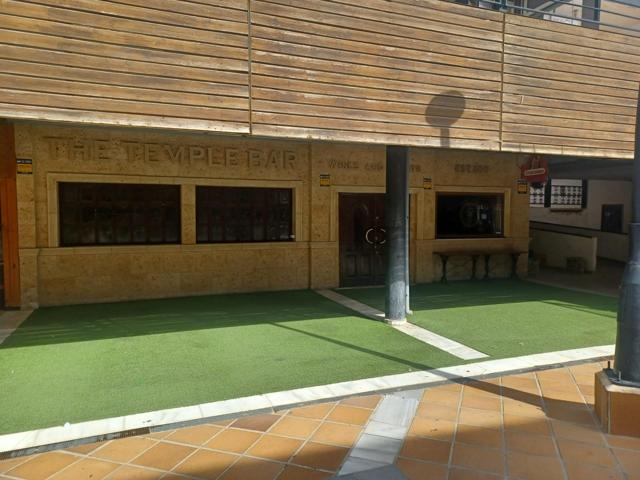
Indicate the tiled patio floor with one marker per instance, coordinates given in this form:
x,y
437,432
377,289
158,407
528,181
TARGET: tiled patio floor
x,y
529,426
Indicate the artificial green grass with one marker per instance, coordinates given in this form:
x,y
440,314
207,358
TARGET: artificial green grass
x,y
507,318
78,363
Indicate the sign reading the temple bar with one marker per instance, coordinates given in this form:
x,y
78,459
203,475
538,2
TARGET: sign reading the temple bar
x,y
104,150
24,166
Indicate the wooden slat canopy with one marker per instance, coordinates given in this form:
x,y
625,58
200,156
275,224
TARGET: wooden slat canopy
x,y
411,72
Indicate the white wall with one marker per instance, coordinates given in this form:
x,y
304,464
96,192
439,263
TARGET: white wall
x,y
556,247
599,192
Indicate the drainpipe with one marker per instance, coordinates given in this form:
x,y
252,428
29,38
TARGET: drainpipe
x,y
627,360
396,209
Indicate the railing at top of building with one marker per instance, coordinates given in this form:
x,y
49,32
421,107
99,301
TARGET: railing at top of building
x,y
622,16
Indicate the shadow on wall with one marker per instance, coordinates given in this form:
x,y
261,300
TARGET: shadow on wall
x,y
443,111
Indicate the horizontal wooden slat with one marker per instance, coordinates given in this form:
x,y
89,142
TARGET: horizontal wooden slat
x,y
309,80
148,81
582,121
477,109
49,99
369,115
569,141
127,62
360,137
438,44
39,84
334,17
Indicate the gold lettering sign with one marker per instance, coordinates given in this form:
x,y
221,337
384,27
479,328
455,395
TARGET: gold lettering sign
x,y
470,168
101,150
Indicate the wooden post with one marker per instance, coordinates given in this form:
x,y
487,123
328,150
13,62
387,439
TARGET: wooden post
x,y
9,216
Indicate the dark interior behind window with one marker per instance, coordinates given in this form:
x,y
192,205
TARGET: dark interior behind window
x,y
118,214
469,215
243,214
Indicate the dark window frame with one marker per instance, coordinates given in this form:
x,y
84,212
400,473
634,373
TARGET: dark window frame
x,y
146,214
244,214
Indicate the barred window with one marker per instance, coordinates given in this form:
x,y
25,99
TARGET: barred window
x,y
118,214
243,214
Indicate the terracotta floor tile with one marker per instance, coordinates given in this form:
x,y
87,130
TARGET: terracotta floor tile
x,y
84,449
223,423
432,428
480,418
579,452
618,441
350,415
481,403
337,434
124,449
273,447
369,401
313,411
292,472
534,467
426,449
478,458
415,470
457,473
317,455
295,427
259,423
442,397
43,466
578,471
163,456
87,469
574,414
517,383
127,472
159,435
473,435
435,410
232,440
522,408
629,460
196,435
6,465
253,469
530,443
582,433
206,464
518,423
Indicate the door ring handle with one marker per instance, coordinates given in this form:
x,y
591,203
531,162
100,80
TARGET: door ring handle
x,y
366,236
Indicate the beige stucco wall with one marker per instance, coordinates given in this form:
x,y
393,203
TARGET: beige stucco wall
x,y
53,275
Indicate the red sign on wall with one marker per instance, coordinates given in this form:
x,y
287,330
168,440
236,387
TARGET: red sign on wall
x,y
535,170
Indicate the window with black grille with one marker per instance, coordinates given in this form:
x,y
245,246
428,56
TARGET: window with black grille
x,y
118,214
243,214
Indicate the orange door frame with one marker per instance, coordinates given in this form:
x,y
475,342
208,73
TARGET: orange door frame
x,y
9,215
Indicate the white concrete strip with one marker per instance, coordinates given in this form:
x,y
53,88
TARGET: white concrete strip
x,y
95,430
383,436
10,320
426,336
354,305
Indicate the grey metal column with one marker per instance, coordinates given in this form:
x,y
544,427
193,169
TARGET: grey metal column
x,y
396,220
627,361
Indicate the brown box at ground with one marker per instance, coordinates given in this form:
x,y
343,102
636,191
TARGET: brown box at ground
x,y
618,407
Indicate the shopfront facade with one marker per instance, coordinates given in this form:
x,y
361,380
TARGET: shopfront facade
x,y
109,214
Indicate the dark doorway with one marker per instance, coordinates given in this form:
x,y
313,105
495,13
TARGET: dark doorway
x,y
611,220
362,239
